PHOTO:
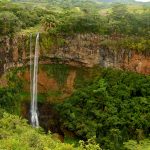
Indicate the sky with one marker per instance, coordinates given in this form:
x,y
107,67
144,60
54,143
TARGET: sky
x,y
143,0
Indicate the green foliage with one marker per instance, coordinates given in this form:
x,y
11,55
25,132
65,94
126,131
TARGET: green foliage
x,y
72,140
114,108
89,145
46,42
5,0
49,22
139,44
78,17
28,18
58,71
10,98
14,17
70,17
9,23
133,145
17,134
123,22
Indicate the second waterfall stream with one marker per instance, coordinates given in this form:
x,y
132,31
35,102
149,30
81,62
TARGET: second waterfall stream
x,y
33,82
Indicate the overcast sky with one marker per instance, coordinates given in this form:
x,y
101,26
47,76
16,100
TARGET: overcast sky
x,y
143,0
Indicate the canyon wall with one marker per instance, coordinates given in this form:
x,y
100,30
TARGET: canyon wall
x,y
78,50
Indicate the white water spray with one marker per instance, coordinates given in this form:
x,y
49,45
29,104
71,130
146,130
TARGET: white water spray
x,y
33,84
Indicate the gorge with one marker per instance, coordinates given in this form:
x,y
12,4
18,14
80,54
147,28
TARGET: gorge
x,y
63,69
74,75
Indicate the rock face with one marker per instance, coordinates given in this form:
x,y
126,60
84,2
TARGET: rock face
x,y
78,50
50,86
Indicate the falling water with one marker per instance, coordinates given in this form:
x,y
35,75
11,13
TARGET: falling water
x,y
31,65
33,86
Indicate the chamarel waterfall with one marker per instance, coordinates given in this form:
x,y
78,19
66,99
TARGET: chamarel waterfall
x,y
33,82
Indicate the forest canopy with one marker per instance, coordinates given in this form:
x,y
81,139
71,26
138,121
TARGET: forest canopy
x,y
114,108
129,22
76,17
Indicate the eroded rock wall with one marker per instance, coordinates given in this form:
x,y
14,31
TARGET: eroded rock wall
x,y
77,50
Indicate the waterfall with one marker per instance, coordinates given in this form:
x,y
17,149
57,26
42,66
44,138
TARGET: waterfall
x,y
31,65
33,82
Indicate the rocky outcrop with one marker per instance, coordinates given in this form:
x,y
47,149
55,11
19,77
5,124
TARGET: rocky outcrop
x,y
78,50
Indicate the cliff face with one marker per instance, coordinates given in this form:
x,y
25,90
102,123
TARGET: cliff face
x,y
78,50
49,85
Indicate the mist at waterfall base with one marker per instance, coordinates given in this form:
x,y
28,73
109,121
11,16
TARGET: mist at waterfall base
x,y
33,82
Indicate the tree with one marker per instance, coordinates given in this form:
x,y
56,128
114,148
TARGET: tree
x,y
49,22
9,23
114,108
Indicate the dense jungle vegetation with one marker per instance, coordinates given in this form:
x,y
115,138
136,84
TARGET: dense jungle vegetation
x,y
108,110
17,134
114,108
130,22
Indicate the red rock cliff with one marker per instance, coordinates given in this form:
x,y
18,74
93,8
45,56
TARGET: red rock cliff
x,y
81,49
